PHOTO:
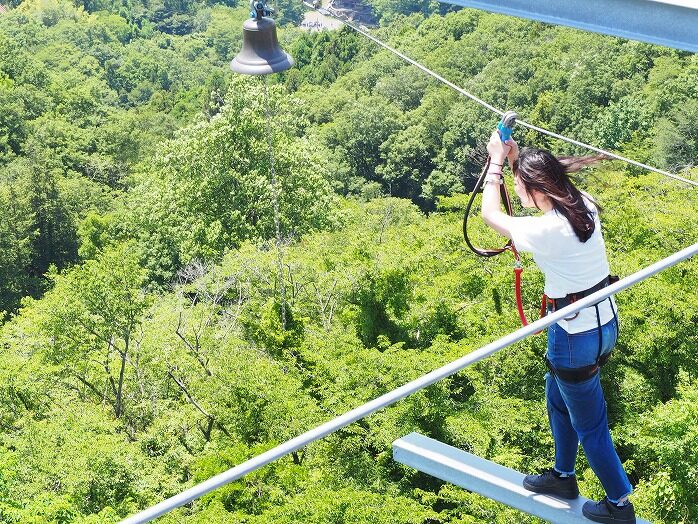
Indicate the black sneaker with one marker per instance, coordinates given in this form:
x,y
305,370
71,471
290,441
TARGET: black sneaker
x,y
605,511
549,482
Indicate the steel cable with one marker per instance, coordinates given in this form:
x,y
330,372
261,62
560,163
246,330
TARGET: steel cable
x,y
500,112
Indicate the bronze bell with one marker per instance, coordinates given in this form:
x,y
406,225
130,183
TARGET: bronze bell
x,y
260,53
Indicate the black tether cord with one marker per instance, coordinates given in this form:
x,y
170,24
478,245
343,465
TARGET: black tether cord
x,y
507,205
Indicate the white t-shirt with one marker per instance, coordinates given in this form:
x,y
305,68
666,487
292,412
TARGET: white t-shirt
x,y
569,265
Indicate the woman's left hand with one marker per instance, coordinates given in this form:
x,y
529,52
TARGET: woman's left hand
x,y
497,149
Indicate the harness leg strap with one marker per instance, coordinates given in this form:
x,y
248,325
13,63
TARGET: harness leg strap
x,y
576,375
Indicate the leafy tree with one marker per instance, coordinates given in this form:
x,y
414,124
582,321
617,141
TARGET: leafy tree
x,y
359,132
16,246
12,124
667,495
89,469
677,140
619,122
92,316
408,155
212,188
389,10
218,34
50,12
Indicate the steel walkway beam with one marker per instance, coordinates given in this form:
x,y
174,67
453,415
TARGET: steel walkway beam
x,y
671,23
486,478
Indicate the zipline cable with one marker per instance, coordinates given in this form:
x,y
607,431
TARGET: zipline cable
x,y
500,112
403,391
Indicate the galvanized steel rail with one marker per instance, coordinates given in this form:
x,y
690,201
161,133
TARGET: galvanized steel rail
x,y
402,392
669,23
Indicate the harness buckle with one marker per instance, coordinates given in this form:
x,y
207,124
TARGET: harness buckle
x,y
571,298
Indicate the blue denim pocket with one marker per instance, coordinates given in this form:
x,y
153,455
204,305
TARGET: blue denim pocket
x,y
575,350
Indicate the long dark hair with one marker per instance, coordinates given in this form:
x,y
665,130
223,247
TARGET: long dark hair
x,y
540,170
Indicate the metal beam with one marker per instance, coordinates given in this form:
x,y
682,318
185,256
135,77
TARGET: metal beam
x,y
671,23
481,476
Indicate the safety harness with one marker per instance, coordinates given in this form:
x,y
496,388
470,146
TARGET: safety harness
x,y
576,375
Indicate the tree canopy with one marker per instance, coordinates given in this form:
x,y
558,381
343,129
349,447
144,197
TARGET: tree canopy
x,y
146,344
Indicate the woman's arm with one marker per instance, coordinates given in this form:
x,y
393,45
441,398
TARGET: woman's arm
x,y
492,212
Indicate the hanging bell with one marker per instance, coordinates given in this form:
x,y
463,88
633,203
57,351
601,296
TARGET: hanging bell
x,y
261,53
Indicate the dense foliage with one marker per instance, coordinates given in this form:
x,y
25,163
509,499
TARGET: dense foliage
x,y
147,345
399,133
85,98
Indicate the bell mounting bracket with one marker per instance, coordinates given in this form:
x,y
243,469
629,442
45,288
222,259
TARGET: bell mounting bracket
x,y
259,9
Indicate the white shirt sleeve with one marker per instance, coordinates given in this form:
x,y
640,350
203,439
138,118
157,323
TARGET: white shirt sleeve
x,y
532,235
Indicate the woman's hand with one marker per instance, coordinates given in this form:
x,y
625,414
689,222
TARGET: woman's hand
x,y
497,149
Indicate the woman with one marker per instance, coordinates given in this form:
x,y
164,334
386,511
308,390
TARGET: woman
x,y
567,245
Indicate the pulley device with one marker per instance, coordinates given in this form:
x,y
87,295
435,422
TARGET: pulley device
x,y
504,128
506,125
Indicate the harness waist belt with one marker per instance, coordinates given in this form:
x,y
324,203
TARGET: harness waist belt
x,y
559,303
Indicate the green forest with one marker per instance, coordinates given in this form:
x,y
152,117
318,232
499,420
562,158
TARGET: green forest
x,y
154,332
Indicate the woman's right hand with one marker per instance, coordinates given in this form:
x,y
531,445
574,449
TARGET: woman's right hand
x,y
497,149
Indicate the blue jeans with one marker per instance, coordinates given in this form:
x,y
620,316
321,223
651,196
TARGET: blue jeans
x,y
577,411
